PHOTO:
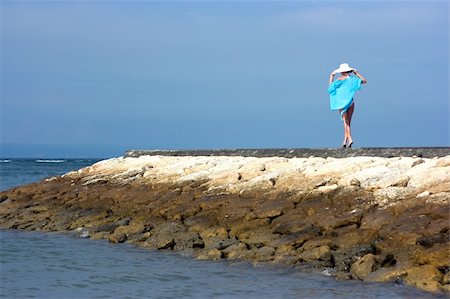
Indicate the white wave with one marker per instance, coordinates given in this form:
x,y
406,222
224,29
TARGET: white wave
x,y
50,161
5,161
329,272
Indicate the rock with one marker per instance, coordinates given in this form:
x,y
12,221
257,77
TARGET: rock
x,y
425,277
163,236
402,181
287,255
352,238
134,228
160,242
38,225
219,243
355,182
238,251
188,240
218,232
446,278
423,194
316,242
169,229
363,266
442,198
107,227
327,189
201,221
264,253
89,216
257,237
429,241
432,179
446,282
442,162
210,254
387,274
292,223
296,239
155,222
379,176
118,237
100,235
337,219
417,162
180,211
237,228
342,276
437,254
391,194
139,239
273,208
322,253
344,258
3,197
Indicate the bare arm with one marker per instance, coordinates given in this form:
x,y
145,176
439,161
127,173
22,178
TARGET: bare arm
x,y
331,77
364,81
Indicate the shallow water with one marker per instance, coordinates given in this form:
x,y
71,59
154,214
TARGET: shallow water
x,y
16,172
53,265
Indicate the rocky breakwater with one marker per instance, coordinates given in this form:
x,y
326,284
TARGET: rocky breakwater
x,y
368,218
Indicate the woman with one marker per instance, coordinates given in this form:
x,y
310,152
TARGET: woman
x,y
341,96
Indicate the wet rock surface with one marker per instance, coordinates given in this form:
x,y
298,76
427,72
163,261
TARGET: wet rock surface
x,y
368,218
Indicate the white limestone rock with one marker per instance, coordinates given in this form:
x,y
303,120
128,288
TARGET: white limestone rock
x,y
433,179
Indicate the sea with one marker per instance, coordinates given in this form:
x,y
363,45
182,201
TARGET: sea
x,y
61,265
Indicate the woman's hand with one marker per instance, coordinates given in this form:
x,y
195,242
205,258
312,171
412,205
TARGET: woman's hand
x,y
363,80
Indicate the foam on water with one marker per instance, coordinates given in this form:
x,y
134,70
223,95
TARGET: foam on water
x,y
50,161
24,171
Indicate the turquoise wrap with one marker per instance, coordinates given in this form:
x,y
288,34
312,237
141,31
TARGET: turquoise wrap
x,y
342,92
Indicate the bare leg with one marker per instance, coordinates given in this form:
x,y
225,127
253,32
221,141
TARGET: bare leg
x,y
349,120
346,130
345,120
350,112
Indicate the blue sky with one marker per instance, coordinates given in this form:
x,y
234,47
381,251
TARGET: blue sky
x,y
94,78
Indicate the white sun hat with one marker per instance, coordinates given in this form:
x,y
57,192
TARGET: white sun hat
x,y
344,67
